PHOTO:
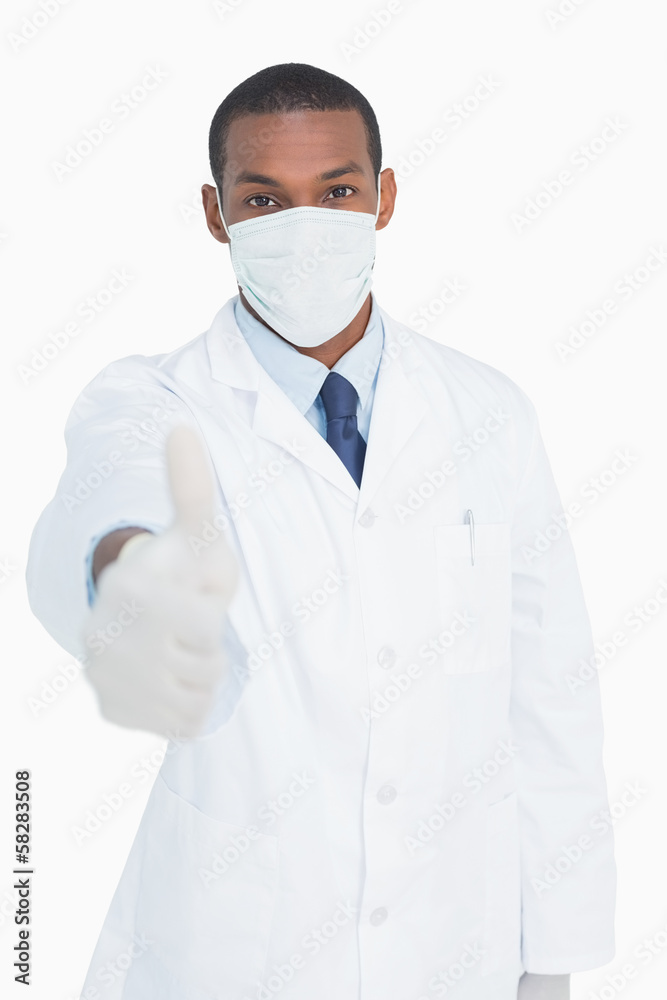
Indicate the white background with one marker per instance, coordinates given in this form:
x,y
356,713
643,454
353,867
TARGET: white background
x,y
134,203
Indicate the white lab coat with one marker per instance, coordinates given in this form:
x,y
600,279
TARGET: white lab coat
x,y
365,818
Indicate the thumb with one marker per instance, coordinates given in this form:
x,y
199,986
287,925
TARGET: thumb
x,y
190,480
193,494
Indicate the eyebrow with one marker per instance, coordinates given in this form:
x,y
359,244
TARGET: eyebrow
x,y
248,177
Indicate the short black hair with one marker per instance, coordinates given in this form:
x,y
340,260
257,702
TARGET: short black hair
x,y
289,87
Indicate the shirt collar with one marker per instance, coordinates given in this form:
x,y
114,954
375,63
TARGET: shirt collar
x,y
301,377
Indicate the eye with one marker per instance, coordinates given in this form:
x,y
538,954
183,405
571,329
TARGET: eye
x,y
263,198
336,192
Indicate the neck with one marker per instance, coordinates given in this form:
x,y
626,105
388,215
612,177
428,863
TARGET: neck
x,y
332,350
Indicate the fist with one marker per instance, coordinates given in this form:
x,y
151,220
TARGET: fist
x,y
159,668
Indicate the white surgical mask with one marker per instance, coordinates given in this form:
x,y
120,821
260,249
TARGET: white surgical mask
x,y
306,271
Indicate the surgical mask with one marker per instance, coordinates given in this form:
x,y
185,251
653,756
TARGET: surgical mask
x,y
306,271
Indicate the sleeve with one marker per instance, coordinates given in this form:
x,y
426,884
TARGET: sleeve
x,y
568,870
115,476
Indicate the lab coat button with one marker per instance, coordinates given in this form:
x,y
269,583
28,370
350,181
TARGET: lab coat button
x,y
367,518
379,916
386,656
387,794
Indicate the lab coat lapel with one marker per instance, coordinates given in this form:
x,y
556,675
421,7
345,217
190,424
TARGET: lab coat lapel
x,y
398,407
277,419
274,417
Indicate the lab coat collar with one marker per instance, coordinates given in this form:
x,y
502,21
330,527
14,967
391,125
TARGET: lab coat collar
x,y
398,408
301,376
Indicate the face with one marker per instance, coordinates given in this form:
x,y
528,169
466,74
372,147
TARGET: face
x,y
314,158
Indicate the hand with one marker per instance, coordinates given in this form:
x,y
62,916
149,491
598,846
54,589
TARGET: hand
x,y
155,629
537,987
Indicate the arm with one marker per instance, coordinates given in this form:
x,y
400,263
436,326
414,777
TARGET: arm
x,y
114,485
568,910
114,477
156,626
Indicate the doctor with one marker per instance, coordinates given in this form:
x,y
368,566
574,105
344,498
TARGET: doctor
x,y
303,547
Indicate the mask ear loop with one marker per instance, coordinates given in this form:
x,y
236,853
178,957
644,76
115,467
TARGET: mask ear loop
x,y
377,210
222,218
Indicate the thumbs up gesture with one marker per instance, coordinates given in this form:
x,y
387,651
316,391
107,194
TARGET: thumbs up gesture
x,y
161,670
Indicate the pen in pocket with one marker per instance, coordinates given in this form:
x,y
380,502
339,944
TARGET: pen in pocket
x,y
471,521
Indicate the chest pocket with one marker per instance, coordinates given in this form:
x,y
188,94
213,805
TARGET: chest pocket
x,y
474,600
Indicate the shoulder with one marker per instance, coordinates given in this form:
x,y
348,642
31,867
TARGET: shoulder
x,y
462,375
139,381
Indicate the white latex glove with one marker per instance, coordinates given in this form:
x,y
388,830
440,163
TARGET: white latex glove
x,y
161,670
536,987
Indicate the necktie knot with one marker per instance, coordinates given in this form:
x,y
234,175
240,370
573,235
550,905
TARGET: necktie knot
x,y
339,397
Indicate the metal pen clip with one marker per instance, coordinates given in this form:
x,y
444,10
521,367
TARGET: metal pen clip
x,y
471,521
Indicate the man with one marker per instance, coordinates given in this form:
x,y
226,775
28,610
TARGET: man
x,y
326,591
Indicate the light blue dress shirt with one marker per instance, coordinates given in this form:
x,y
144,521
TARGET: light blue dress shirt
x,y
300,378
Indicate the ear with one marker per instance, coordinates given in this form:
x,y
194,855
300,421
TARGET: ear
x,y
212,213
387,197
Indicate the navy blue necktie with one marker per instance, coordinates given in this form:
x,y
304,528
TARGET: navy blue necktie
x,y
340,404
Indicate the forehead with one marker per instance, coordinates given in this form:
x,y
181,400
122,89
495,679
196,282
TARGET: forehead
x,y
296,141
